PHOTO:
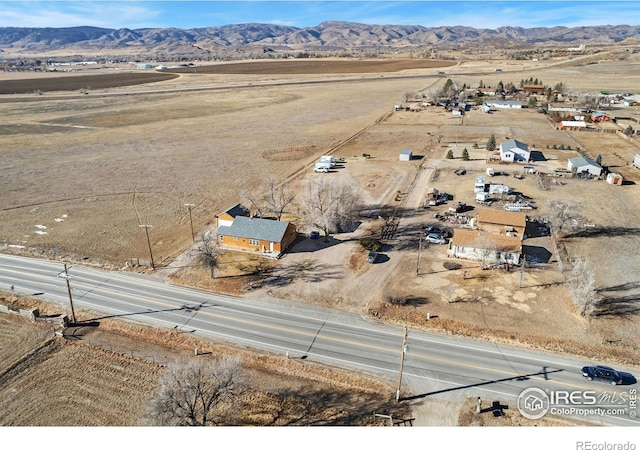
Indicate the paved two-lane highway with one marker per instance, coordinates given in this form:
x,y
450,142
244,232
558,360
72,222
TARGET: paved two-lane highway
x,y
435,365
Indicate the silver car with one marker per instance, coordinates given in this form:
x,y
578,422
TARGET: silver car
x,y
435,239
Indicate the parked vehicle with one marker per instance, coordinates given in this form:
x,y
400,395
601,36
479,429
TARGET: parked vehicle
x,y
437,230
328,159
602,373
372,257
322,166
435,239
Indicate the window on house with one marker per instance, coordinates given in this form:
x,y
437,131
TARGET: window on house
x,y
254,242
221,238
235,238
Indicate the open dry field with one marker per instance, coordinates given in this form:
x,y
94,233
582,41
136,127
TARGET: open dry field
x,y
106,376
91,170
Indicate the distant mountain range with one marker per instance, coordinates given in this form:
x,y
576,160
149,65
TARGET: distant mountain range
x,y
327,36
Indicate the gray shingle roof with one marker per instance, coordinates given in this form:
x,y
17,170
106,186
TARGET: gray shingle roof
x,y
580,161
255,228
513,144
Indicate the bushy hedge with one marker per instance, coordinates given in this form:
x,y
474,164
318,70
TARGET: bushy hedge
x,y
371,244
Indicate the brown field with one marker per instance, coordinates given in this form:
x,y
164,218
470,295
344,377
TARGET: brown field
x,y
321,66
106,165
106,377
78,82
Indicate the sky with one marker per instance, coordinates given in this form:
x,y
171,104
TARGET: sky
x,y
205,13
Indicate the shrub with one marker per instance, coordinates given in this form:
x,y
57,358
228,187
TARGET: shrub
x,y
371,244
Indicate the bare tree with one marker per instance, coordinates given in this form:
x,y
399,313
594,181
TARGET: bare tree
x,y
200,393
209,251
330,204
272,197
582,287
487,249
278,196
562,216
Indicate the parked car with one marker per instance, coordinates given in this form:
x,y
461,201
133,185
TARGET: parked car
x,y
437,230
602,373
435,239
372,257
321,169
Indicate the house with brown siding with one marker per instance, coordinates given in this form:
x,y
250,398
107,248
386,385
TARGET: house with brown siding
x,y
253,234
497,239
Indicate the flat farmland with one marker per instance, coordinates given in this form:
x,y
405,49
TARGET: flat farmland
x,y
106,376
92,169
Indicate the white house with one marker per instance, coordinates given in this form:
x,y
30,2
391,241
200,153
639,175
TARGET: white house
x,y
514,151
488,248
581,165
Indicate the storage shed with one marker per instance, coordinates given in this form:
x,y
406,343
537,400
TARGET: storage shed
x,y
406,155
614,178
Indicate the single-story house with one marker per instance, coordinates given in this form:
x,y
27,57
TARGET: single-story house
x,y
581,165
572,125
514,151
533,88
503,103
504,223
485,247
406,155
268,237
226,218
614,178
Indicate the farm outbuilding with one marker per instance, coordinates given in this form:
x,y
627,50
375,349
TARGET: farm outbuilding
x,y
513,150
572,125
582,166
614,178
406,155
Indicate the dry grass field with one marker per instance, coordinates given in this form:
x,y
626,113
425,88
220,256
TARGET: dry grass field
x,y
106,376
92,169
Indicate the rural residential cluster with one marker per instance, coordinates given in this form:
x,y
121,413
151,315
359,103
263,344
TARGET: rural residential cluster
x,y
421,237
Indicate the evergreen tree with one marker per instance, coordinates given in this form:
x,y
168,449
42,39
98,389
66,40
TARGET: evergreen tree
x,y
450,154
599,160
491,143
465,155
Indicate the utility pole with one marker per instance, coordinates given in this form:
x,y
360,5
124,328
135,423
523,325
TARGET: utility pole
x,y
521,271
419,252
65,276
146,229
404,349
191,205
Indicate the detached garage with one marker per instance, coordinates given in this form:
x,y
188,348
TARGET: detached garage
x,y
406,155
